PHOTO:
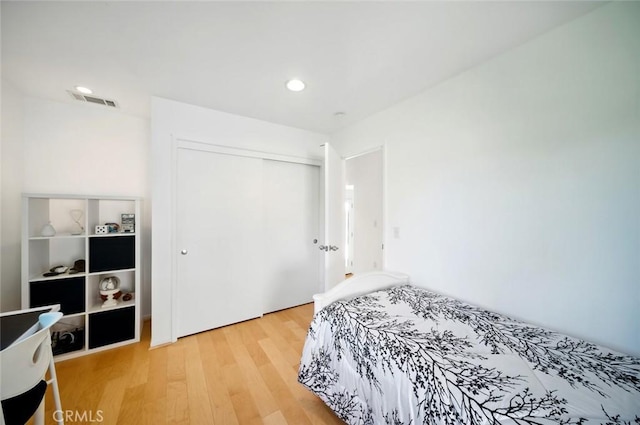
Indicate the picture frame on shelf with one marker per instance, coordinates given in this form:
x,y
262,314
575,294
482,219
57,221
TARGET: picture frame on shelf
x,y
128,223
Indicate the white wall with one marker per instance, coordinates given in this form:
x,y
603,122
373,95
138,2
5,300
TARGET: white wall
x,y
11,166
169,120
516,185
83,149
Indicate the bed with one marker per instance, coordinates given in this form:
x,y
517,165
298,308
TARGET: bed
x,y
381,351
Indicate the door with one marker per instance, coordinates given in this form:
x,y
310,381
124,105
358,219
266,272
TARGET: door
x,y
349,244
291,212
334,254
218,236
364,180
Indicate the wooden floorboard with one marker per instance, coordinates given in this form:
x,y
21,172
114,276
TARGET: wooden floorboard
x,y
240,374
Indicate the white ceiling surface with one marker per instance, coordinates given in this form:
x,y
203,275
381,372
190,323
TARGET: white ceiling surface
x,y
356,57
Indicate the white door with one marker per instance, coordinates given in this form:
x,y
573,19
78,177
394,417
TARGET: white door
x,y
291,211
349,227
364,180
334,256
218,239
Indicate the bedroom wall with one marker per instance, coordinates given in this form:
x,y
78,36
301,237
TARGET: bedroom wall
x,y
82,149
171,119
516,185
11,161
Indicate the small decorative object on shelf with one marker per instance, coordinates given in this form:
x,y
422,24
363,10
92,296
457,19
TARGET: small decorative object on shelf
x,y
76,215
56,270
67,339
102,229
110,291
112,227
48,230
78,267
128,223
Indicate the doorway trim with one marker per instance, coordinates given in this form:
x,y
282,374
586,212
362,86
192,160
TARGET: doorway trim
x,y
185,143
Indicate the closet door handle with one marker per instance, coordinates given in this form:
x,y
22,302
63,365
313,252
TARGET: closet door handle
x,y
328,248
184,252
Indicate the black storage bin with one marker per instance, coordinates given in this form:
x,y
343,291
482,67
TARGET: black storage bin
x,y
68,292
109,327
112,253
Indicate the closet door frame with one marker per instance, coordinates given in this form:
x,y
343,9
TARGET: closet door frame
x,y
199,145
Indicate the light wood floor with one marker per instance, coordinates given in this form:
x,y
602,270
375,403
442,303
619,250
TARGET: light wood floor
x,y
240,374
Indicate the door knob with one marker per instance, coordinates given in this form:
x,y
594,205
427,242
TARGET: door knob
x,y
328,248
184,252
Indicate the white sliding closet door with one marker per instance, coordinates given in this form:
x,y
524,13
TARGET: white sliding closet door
x,y
291,254
219,240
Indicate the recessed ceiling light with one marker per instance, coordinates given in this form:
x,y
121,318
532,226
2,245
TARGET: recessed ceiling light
x,y
84,90
295,85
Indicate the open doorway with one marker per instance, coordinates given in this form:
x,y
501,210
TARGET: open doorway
x,y
364,212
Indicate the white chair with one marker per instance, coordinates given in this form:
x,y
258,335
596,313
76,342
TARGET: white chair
x,y
24,365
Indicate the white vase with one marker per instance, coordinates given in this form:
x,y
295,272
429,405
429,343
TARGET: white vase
x,y
48,230
76,215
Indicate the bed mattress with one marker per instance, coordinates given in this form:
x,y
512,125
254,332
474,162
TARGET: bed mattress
x,y
406,355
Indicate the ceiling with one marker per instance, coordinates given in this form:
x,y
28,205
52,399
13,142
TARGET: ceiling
x,y
356,57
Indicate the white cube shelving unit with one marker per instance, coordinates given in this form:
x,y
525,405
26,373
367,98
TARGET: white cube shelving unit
x,y
86,326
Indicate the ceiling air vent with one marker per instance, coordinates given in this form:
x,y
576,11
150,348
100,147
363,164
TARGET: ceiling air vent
x,y
92,99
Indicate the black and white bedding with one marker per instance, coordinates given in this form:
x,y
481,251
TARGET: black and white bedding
x,y
405,355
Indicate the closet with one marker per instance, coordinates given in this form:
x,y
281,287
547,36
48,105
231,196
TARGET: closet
x,y
246,235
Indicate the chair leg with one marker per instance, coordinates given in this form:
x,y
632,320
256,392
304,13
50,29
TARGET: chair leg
x,y
38,417
58,413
